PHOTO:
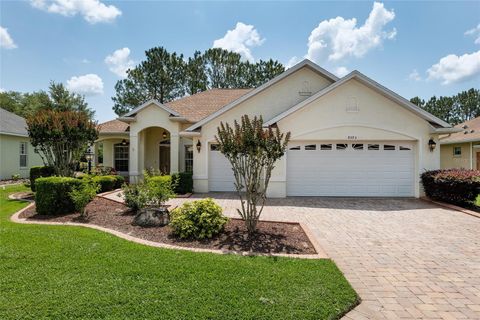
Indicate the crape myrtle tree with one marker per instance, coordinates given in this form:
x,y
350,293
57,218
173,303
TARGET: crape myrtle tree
x,y
61,137
252,151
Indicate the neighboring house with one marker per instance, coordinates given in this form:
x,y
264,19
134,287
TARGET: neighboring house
x,y
462,149
17,155
349,136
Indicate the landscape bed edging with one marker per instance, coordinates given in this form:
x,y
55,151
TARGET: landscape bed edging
x,y
319,255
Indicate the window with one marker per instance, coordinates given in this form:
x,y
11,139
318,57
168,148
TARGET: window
x,y
457,151
325,147
214,147
311,147
295,148
388,147
189,158
357,146
403,148
121,157
373,147
23,154
342,146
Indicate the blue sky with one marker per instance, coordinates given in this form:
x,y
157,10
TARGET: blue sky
x,y
413,48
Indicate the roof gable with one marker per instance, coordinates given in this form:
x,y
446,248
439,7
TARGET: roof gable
x,y
148,103
371,84
305,63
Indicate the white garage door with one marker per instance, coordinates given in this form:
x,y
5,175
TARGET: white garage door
x,y
376,169
220,174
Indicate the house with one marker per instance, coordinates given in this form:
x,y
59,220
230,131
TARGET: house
x,y
462,149
17,155
350,136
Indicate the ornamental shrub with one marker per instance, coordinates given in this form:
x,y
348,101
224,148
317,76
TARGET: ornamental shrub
x,y
199,219
37,172
184,182
107,183
135,196
82,195
456,186
53,195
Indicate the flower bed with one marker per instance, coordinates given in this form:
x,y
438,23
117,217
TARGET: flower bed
x,y
272,237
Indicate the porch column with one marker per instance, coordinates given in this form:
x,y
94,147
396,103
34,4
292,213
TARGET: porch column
x,y
95,154
174,152
133,162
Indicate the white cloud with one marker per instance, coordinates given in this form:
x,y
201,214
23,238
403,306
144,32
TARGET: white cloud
x,y
119,62
291,62
6,40
240,40
93,11
453,68
89,84
475,32
2,90
341,72
414,75
340,38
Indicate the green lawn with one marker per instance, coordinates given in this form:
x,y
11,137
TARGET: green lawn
x,y
477,202
72,272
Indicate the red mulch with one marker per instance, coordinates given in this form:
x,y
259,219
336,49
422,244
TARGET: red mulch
x,y
272,237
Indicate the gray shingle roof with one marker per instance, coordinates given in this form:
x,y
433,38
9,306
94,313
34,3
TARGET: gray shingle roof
x,y
10,123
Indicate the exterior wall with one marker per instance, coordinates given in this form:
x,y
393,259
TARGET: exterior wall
x,y
468,159
10,157
378,119
269,103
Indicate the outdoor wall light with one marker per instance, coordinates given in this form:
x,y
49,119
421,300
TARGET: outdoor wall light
x,y
164,135
124,142
199,146
432,144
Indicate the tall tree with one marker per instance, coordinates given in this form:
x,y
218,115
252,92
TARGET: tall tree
x,y
468,104
196,79
161,76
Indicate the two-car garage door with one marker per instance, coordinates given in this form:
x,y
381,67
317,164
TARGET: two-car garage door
x,y
350,169
375,169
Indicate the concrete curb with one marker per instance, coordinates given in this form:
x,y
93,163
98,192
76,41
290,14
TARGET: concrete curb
x,y
320,253
452,207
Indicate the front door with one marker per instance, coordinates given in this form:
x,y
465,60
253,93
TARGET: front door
x,y
164,164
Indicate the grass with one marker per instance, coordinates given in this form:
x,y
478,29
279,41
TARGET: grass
x,y
64,272
477,201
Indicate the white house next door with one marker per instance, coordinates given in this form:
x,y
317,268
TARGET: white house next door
x,y
358,169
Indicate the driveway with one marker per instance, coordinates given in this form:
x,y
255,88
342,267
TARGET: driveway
x,y
406,258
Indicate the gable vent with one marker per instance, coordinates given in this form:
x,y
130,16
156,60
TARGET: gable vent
x,y
305,91
352,105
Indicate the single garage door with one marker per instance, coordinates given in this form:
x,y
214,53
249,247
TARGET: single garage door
x,y
220,174
367,169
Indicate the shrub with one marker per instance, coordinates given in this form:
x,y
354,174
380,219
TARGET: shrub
x,y
16,177
107,183
82,195
160,189
199,219
53,195
103,171
457,186
135,196
37,172
119,181
184,182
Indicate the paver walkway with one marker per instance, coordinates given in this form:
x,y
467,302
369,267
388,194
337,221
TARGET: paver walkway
x,y
405,257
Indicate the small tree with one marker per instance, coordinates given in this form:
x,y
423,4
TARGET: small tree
x,y
252,151
61,137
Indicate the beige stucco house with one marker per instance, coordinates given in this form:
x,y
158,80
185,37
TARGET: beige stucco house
x,y
462,149
17,155
350,136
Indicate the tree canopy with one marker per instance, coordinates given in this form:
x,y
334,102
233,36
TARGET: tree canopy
x,y
454,109
57,98
166,76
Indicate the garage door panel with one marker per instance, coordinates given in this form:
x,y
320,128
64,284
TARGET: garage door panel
x,y
351,172
220,174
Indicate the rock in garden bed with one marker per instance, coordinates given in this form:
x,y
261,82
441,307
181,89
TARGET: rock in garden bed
x,y
272,237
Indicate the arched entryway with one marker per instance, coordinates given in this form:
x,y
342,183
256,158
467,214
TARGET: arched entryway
x,y
155,149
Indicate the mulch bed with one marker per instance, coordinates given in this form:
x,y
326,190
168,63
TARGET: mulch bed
x,y
272,237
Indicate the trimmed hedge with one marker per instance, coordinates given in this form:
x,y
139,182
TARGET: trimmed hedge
x,y
37,172
184,182
108,183
456,186
53,195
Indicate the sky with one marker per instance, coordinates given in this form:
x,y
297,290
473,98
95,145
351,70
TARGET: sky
x,y
413,48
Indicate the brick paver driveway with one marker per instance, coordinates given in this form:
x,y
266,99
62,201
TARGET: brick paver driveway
x,y
405,257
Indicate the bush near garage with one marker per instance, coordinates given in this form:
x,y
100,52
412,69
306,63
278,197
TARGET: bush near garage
x,y
184,182
456,186
52,195
37,172
198,219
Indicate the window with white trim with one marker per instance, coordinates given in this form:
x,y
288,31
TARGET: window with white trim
x,y
23,154
373,147
295,148
357,146
311,147
457,151
189,158
388,147
326,146
342,146
120,152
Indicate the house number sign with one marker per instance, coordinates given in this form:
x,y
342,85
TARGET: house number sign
x,y
352,137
